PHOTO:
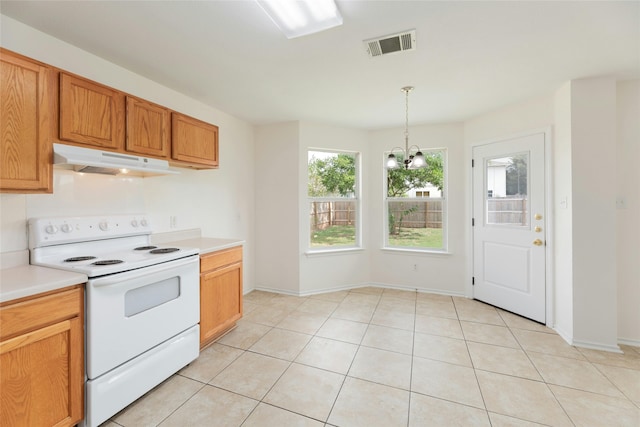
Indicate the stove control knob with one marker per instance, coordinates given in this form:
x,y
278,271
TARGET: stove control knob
x,y
144,222
134,223
51,229
104,225
66,228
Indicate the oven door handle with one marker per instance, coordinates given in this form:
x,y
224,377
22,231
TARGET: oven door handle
x,y
118,278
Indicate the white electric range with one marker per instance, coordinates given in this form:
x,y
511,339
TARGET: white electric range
x,y
142,303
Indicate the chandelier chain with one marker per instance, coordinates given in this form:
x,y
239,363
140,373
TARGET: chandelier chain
x,y
406,119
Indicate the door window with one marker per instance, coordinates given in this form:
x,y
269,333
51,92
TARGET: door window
x,y
506,192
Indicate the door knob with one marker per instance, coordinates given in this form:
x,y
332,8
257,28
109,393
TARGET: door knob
x,y
537,242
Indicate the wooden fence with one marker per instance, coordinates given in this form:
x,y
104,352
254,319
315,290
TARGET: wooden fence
x,y
326,214
507,210
416,214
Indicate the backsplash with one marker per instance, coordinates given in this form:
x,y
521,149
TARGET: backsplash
x,y
74,194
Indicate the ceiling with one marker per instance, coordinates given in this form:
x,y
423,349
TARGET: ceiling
x,y
471,57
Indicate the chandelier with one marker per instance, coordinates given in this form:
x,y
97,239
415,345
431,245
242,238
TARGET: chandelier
x,y
411,161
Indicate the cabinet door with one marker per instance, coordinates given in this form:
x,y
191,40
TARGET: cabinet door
x,y
42,360
147,128
220,301
194,142
25,125
91,114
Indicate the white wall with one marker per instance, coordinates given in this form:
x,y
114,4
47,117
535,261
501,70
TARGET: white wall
x,y
532,114
628,217
220,202
562,239
277,207
436,272
585,119
276,266
593,160
346,269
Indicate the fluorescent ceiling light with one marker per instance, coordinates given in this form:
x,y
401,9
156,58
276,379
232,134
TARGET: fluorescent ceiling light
x,y
297,18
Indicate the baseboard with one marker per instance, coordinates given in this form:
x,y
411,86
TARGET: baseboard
x,y
597,346
626,341
355,286
564,335
414,289
275,291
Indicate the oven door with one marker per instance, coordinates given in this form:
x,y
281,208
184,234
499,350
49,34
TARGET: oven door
x,y
129,313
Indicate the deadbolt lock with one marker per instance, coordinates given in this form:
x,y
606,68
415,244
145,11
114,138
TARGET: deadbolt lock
x,y
537,229
537,217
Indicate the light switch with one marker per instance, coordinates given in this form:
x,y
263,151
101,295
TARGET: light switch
x,y
564,202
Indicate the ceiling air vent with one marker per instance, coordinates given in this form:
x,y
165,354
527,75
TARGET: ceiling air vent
x,y
384,45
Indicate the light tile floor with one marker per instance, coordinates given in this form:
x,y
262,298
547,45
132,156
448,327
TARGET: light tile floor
x,y
383,357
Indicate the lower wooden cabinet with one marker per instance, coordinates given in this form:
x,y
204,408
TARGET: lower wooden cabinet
x,y
42,360
220,293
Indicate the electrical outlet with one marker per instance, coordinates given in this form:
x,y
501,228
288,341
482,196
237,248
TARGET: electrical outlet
x,y
415,267
621,202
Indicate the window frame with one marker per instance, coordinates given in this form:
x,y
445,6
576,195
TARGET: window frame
x,y
357,198
443,198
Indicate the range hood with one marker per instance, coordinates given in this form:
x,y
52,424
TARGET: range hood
x,y
89,160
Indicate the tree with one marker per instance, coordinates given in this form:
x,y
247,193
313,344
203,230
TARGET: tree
x,y
401,180
516,176
335,175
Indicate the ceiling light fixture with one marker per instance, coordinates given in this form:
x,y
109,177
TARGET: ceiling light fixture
x,y
297,18
411,161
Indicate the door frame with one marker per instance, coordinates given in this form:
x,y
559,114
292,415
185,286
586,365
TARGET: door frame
x,y
549,210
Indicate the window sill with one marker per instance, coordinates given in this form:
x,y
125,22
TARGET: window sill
x,y
417,251
322,252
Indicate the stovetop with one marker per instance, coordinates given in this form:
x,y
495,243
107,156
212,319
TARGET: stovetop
x,y
98,246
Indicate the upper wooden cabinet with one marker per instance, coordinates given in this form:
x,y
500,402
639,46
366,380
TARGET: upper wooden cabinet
x,y
193,142
148,128
25,125
91,114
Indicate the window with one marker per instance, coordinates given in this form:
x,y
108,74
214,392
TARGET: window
x,y
416,205
334,206
507,199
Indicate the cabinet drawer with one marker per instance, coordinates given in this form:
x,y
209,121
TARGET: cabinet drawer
x,y
38,312
219,259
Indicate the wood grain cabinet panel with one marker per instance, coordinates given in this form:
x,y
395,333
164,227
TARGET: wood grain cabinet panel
x,y
25,125
91,114
148,128
42,361
194,143
220,293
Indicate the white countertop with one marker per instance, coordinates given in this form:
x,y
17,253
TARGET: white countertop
x,y
26,280
192,238
207,244
18,279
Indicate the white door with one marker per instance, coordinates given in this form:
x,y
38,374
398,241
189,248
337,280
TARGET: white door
x,y
509,225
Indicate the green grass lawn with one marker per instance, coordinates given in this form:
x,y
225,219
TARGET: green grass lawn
x,y
345,235
336,235
417,237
